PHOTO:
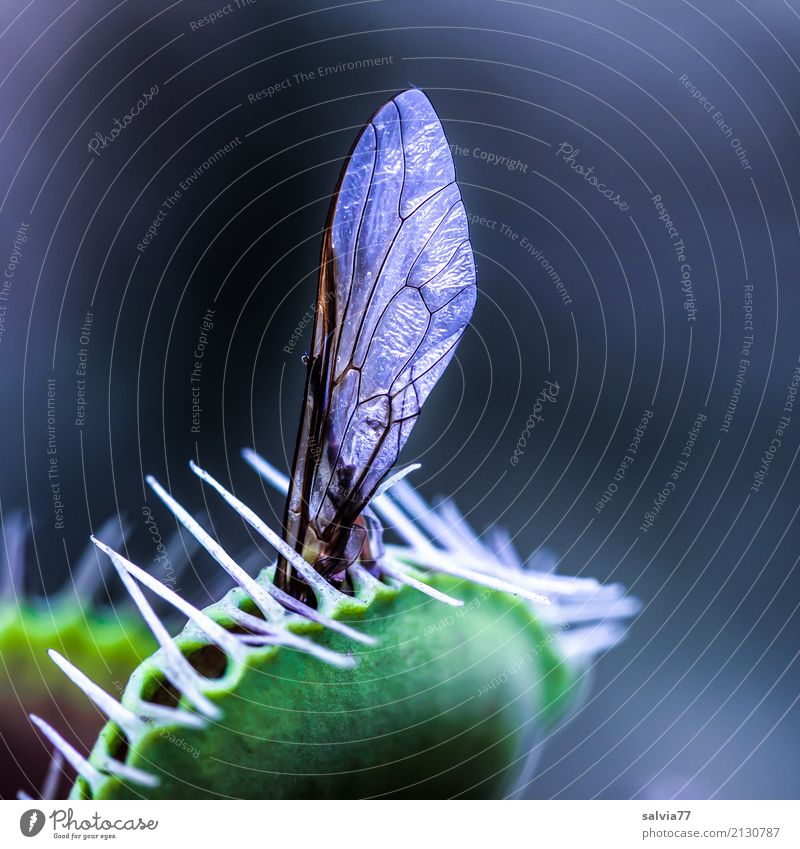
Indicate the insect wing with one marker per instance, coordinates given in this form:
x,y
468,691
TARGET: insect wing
x,y
397,289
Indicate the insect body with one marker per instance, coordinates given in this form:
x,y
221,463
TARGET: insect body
x,y
396,290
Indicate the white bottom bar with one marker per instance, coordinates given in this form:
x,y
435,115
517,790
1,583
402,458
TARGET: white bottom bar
x,y
406,825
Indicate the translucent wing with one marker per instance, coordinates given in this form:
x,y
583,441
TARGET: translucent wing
x,y
396,290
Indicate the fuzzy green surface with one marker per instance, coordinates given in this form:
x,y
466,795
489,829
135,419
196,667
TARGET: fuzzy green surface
x,y
105,645
447,704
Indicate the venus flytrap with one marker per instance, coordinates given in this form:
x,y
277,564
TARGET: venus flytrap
x,y
435,705
109,643
352,667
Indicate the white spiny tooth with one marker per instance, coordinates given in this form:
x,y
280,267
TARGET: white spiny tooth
x,y
504,549
443,562
462,536
362,575
272,601
419,511
266,604
399,574
161,715
90,570
426,554
332,658
542,560
76,760
252,623
215,632
129,773
395,478
590,610
267,471
291,603
495,563
400,523
175,666
127,721
379,501
322,589
275,635
590,641
15,535
55,771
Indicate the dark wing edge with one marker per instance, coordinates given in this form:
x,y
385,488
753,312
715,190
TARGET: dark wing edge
x,y
396,292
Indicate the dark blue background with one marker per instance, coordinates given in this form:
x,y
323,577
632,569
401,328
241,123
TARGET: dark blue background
x,y
702,698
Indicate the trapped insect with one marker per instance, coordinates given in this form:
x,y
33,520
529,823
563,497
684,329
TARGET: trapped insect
x,y
396,291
